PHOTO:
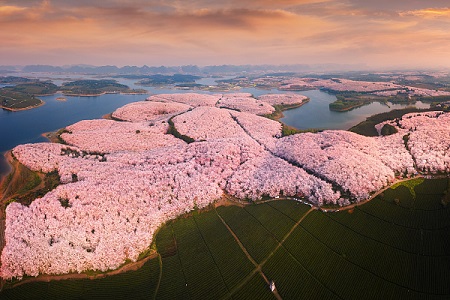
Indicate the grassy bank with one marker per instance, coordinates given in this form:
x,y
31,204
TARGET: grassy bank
x,y
367,127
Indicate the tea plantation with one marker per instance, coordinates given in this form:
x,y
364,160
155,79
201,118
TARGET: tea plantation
x,y
396,246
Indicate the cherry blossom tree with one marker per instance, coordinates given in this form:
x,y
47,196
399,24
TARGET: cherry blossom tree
x,y
131,177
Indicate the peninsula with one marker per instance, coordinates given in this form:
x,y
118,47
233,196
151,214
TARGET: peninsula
x,y
206,145
91,88
25,93
111,192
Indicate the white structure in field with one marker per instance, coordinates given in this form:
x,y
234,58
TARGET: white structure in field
x,y
272,286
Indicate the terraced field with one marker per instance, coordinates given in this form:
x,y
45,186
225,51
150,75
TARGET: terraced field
x,y
395,247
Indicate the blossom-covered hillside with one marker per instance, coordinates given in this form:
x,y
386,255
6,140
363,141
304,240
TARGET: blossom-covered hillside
x,y
373,87
121,180
427,136
149,111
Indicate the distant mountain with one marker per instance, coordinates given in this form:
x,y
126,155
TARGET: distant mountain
x,y
191,69
187,69
8,68
79,69
42,69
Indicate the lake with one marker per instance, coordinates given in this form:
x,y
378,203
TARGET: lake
x,y
27,126
316,113
212,80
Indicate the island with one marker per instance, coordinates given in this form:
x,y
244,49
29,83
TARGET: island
x,y
25,95
92,88
169,176
177,81
12,80
354,89
163,80
354,93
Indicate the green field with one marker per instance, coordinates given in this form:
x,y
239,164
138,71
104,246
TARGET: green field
x,y
397,246
140,284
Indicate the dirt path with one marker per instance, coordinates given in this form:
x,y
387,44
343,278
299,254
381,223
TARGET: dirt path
x,y
9,160
128,267
160,276
258,267
16,174
227,200
286,236
224,201
108,117
351,206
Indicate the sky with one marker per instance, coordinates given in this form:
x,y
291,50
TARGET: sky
x,y
379,34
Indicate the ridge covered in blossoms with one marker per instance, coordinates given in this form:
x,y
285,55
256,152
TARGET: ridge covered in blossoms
x,y
386,89
121,179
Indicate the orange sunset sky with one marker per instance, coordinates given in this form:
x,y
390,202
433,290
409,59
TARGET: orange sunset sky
x,y
382,33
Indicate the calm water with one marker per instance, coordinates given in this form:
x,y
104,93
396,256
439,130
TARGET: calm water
x,y
212,80
316,113
27,126
207,81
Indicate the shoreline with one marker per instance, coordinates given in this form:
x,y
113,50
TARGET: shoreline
x,y
25,108
349,108
108,117
278,114
65,99
3,175
52,137
9,158
103,93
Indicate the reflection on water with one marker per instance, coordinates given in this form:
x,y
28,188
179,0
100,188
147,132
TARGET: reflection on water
x,y
210,81
27,126
316,113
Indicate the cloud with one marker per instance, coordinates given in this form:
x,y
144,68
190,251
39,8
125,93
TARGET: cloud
x,y
427,13
396,5
189,35
9,9
169,5
212,32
